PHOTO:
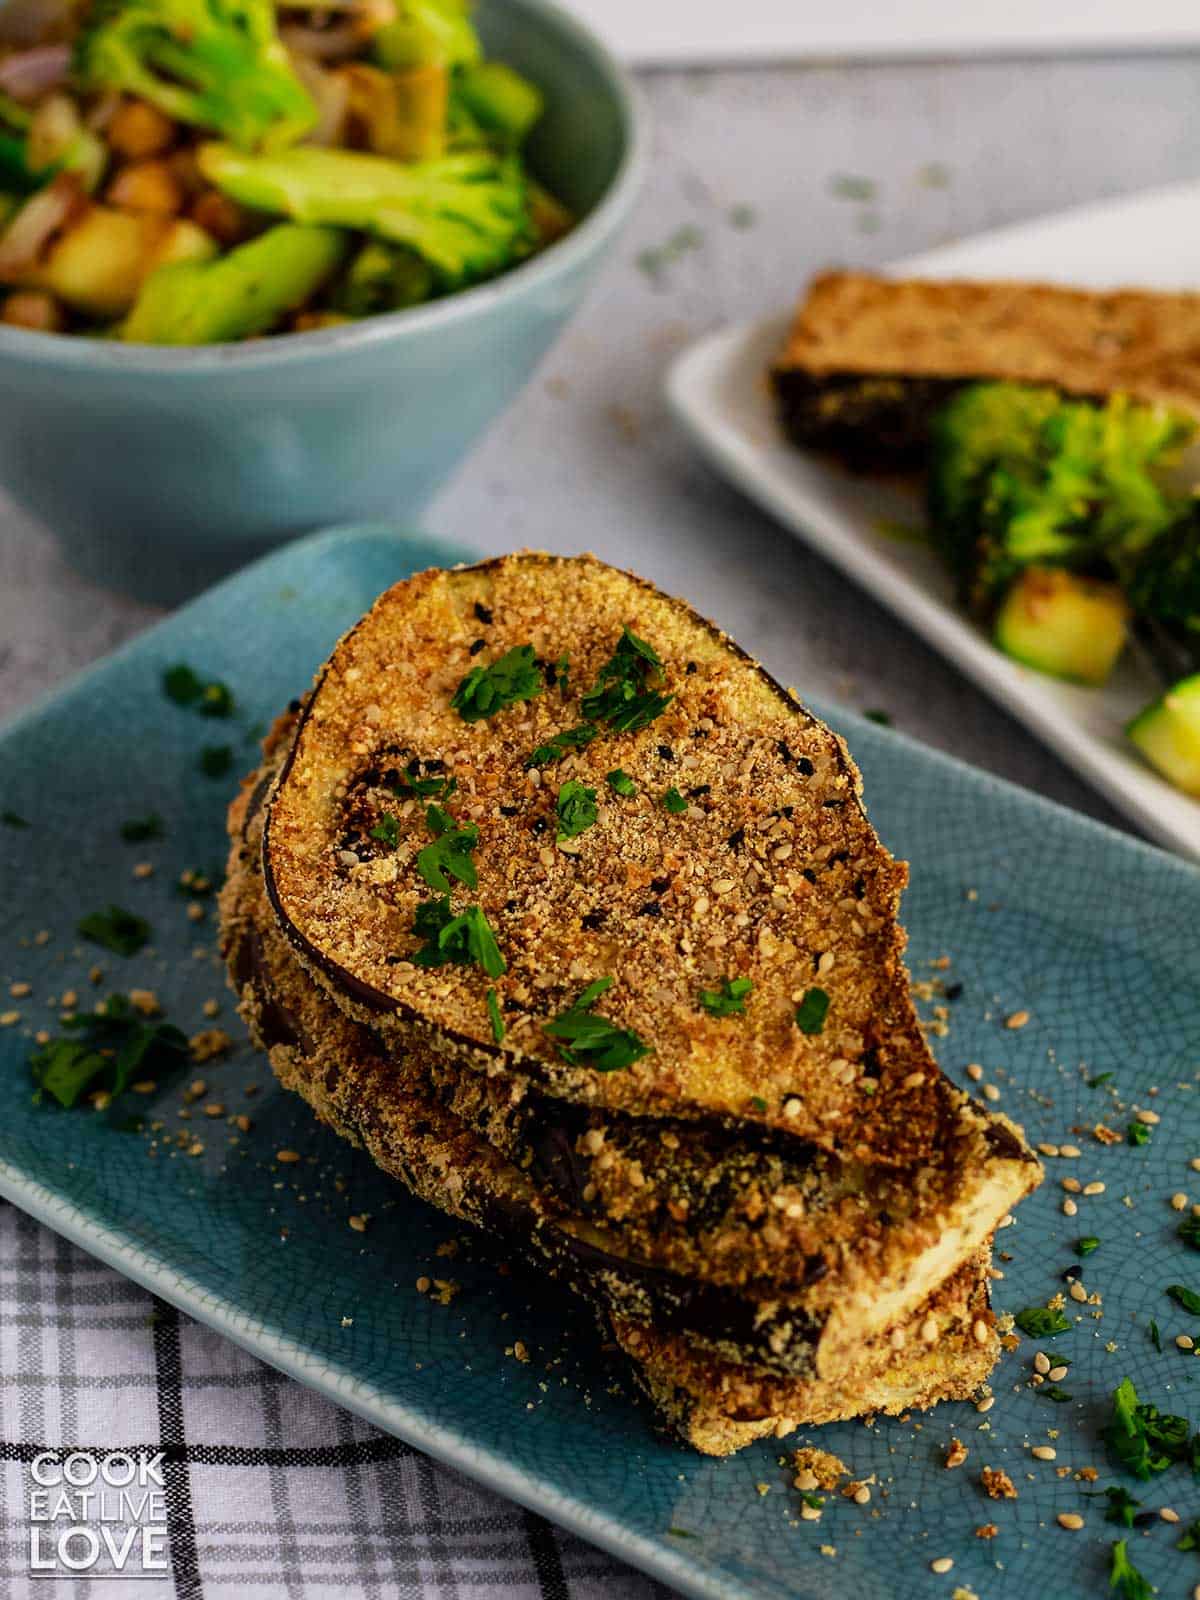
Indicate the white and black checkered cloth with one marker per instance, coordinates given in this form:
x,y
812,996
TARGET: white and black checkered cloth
x,y
272,1493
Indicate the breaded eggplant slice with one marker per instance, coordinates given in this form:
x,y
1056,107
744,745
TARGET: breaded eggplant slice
x,y
718,1408
814,1320
869,359
771,874
706,1388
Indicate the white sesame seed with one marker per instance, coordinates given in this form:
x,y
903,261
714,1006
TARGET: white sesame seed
x,y
980,1331
1072,1185
929,1331
1018,1019
1150,1118
862,1495
1185,1341
974,1072
1006,1221
1070,1519
1179,1202
1057,1374
1047,1149
1041,1362
986,1404
791,1108
896,1339
1093,1188
990,1092
1044,1452
942,1564
1168,1514
1071,1151
1069,1208
1077,1291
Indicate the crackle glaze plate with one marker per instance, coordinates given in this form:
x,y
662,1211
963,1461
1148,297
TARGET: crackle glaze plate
x,y
1037,909
718,391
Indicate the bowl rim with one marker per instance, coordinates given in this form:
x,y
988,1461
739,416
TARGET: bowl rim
x,y
527,279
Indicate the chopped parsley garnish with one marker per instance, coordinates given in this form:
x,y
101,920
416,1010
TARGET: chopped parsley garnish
x,y
812,1011
1140,1438
621,696
1122,1507
558,744
12,819
1085,1246
575,809
181,685
1138,1133
1041,1322
681,1533
117,930
386,830
1186,1298
1099,1080
814,1502
1191,1537
729,1000
438,786
759,1104
1189,1232
621,783
486,690
883,718
558,673
138,829
586,1040
1053,1391
450,852
674,802
1155,1336
216,760
103,1050
466,939
1125,1577
494,1017
194,883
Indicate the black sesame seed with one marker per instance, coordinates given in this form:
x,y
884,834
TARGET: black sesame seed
x,y
660,885
539,825
954,991
650,909
833,805
666,752
476,647
1072,1273
701,788
860,888
807,872
509,811
484,615
593,919
510,905
690,668
293,705
839,858
737,838
805,766
699,733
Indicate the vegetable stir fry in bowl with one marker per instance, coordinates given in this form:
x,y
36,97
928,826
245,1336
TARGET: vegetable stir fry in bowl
x,y
190,172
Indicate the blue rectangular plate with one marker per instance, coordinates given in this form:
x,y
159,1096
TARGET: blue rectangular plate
x,y
1039,909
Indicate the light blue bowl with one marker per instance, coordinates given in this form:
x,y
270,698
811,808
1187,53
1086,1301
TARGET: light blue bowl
x,y
159,469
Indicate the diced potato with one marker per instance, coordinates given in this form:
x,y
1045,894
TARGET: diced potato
x,y
98,265
228,222
147,186
30,308
139,130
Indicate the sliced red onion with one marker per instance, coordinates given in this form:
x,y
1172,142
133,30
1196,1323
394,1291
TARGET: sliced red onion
x,y
31,73
24,242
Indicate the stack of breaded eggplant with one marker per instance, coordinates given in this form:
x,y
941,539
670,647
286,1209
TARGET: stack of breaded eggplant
x,y
552,900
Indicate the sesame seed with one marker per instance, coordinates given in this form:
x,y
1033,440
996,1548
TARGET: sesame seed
x,y
214,1109
986,1404
1077,1291
195,911
1072,1152
1179,1202
1044,1452
1194,1163
211,1008
1093,1188
144,1086
287,1157
1168,1514
862,1495
990,1092
1041,1363
974,1072
1017,1020
1069,1208
8,1018
359,1224
1150,1118
942,1564
791,1108
980,1331
1057,1374
1072,1185
896,1339
19,990
196,1149
1047,1149
1006,1221
1185,1341
242,1122
1070,1519
423,1285
929,1331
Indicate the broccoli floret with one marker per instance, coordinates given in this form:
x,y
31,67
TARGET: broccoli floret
x,y
216,63
467,215
428,33
498,101
1165,583
1022,476
383,277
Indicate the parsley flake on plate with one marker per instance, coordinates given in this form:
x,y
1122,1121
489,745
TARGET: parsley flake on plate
x,y
1138,1133
1189,1232
812,1011
621,783
511,678
466,939
1121,1508
138,829
103,1050
182,685
1187,1298
434,786
494,1017
449,856
12,819
1041,1322
1140,1438
116,929
216,760
556,747
674,802
1125,1577
729,1000
386,830
575,809
1085,1246
586,1040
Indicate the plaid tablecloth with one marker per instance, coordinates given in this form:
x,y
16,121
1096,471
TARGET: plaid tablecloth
x,y
271,1492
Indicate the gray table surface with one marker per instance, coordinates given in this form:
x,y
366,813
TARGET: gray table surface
x,y
588,459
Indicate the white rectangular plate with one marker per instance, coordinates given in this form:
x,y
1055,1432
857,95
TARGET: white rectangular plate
x,y
717,390
674,31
